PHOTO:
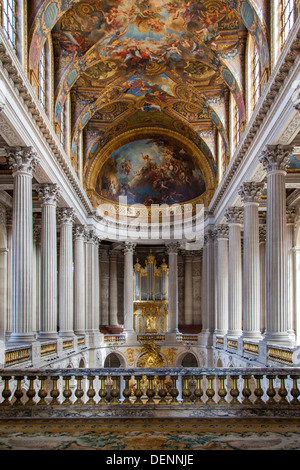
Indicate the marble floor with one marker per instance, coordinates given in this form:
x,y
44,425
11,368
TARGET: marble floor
x,y
150,434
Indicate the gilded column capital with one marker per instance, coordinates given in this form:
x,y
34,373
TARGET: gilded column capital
x,y
234,215
48,193
276,157
221,231
66,215
21,160
250,191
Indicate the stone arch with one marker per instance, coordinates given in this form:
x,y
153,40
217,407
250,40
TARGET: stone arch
x,y
114,360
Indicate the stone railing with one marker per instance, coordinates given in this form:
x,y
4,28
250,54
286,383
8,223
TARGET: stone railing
x,y
170,392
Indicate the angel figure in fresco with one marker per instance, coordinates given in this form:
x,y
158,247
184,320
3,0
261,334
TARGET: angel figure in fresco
x,y
126,167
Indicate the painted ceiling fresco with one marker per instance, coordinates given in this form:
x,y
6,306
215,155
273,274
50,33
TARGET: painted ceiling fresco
x,y
132,64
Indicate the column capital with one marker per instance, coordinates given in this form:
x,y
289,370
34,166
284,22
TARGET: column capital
x,y
172,248
92,237
209,236
48,193
113,254
250,191
128,247
21,160
276,157
221,231
290,215
234,215
65,215
79,232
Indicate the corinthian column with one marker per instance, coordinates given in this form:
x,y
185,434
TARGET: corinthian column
x,y
208,287
234,216
221,234
113,289
22,161
66,216
79,280
48,193
188,289
250,193
275,160
172,249
92,316
128,287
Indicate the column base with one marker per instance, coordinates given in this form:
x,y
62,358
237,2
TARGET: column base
x,y
284,339
66,334
22,338
47,335
252,335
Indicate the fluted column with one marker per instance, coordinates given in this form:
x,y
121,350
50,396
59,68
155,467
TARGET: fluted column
x,y
188,289
172,250
79,280
250,193
208,285
262,263
66,322
290,242
128,287
91,283
275,160
48,194
113,289
22,161
234,216
221,233
37,284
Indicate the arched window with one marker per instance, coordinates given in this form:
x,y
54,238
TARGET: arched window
x,y
255,73
189,360
10,21
112,361
286,19
43,78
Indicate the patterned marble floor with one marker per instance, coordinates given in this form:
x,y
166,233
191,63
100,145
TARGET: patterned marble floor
x,y
155,434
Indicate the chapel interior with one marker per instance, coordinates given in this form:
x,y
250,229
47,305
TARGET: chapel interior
x,y
149,202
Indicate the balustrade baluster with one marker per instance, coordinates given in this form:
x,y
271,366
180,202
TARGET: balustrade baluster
x,y
67,392
150,391
271,392
115,393
54,392
42,392
246,392
162,391
186,393
6,392
198,392
222,391
102,392
210,392
295,392
234,392
78,391
91,391
126,391
174,391
138,392
31,391
258,392
282,392
18,392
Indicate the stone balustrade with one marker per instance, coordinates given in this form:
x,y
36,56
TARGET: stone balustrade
x,y
194,391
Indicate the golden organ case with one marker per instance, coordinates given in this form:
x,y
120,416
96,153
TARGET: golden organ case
x,y
151,296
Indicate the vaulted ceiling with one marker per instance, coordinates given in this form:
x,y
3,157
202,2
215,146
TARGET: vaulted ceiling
x,y
149,71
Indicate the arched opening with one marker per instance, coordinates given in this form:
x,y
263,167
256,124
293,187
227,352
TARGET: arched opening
x,y
112,362
189,360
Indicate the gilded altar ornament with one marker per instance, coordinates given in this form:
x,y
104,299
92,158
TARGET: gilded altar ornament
x,y
151,356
